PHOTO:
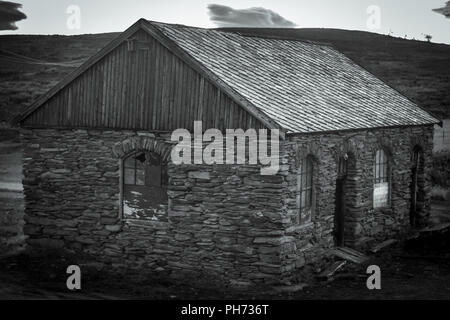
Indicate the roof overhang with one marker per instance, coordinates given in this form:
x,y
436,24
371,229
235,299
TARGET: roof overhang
x,y
145,25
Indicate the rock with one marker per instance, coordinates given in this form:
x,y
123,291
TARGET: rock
x,y
199,175
50,176
61,171
85,240
113,228
240,284
300,262
182,237
274,240
383,245
447,195
31,229
292,288
331,270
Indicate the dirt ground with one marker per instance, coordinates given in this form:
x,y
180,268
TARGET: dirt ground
x,y
418,268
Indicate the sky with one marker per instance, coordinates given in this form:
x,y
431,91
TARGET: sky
x,y
410,18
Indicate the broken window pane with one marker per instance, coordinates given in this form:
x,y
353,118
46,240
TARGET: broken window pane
x,y
380,195
129,162
140,177
145,187
129,177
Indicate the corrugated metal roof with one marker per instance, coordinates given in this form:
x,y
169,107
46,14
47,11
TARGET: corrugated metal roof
x,y
304,87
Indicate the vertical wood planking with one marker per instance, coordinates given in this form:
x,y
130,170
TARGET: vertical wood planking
x,y
148,88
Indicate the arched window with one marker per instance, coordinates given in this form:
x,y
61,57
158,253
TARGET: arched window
x,y
305,190
381,180
144,193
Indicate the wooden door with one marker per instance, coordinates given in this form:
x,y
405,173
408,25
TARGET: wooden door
x,y
414,186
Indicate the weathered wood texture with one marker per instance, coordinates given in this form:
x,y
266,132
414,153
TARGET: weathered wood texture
x,y
148,88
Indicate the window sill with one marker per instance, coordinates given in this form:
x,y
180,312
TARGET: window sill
x,y
146,223
300,227
383,210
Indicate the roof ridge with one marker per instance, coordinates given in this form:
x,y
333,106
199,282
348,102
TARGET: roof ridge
x,y
172,24
242,34
286,38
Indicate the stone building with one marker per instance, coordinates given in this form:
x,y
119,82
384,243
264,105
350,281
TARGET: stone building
x,y
355,156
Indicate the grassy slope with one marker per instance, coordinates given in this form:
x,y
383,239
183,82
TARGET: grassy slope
x,y
419,70
22,83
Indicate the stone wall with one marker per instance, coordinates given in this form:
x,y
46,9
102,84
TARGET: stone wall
x,y
363,224
220,218
226,221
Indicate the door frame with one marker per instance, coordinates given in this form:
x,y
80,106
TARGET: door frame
x,y
416,172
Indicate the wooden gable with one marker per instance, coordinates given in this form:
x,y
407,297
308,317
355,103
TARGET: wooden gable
x,y
139,84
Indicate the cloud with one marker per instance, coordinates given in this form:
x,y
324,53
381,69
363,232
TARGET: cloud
x,y
227,17
10,14
445,10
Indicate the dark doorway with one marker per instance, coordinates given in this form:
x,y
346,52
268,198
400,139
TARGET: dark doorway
x,y
417,186
339,217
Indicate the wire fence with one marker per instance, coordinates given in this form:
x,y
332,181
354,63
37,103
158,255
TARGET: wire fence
x,y
9,56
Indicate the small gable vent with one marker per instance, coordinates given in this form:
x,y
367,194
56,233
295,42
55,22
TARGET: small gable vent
x,y
135,44
131,44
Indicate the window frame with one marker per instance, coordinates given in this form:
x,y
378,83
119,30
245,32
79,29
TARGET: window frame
x,y
122,184
306,185
381,174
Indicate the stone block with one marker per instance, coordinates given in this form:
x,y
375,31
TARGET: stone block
x,y
46,243
203,175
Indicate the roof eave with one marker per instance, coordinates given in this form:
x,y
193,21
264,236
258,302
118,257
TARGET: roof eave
x,y
431,123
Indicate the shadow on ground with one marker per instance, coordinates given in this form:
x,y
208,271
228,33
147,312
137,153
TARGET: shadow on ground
x,y
418,268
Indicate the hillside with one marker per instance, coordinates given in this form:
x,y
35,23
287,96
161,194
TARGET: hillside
x,y
30,65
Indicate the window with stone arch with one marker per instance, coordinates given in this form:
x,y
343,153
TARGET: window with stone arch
x,y
305,190
381,183
144,186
